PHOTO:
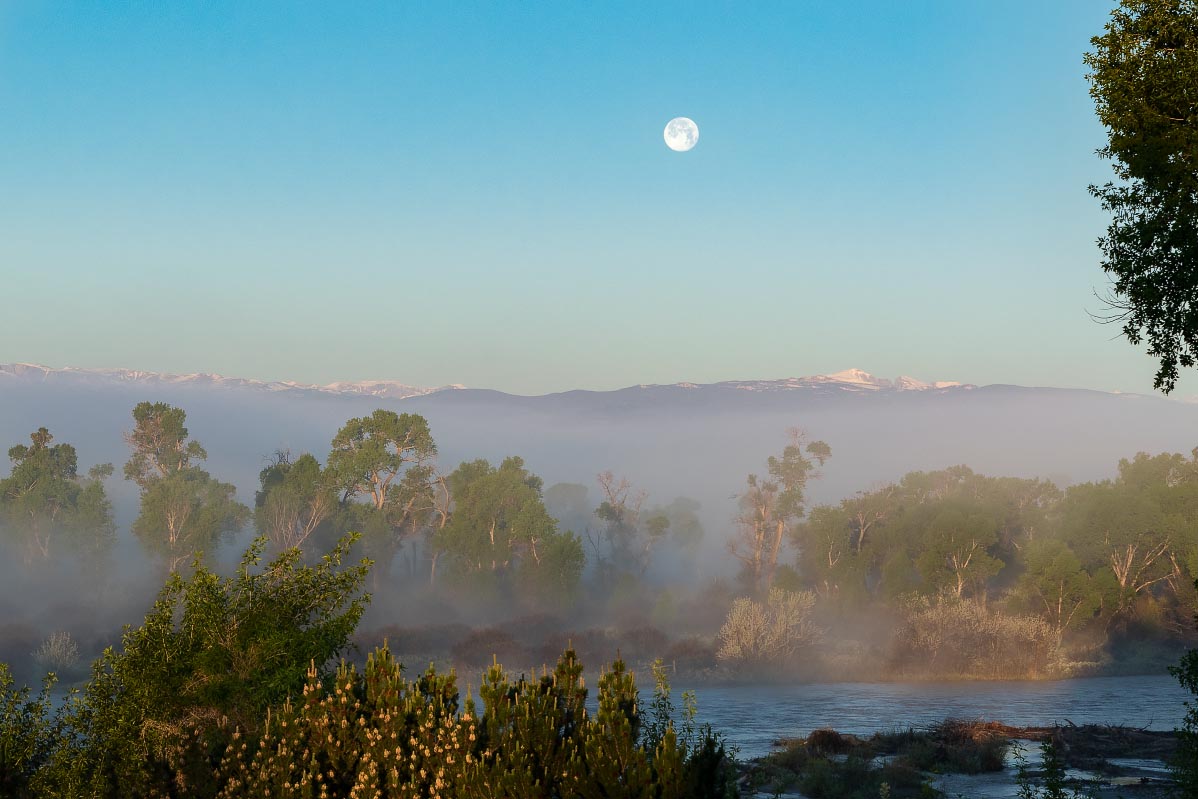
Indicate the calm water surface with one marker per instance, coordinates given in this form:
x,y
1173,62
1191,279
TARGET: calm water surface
x,y
753,717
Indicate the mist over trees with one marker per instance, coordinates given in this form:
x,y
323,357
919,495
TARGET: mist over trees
x,y
1087,578
941,573
48,509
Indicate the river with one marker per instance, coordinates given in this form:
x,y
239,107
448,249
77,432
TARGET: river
x,y
753,717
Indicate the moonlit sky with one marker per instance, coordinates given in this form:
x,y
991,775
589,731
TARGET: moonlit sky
x,y
480,193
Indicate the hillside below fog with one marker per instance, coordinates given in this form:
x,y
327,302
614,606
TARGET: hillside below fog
x,y
683,439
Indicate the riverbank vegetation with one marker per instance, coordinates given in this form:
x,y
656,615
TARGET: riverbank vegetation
x,y
941,574
234,687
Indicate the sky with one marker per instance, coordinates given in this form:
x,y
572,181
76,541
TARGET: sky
x,y
479,193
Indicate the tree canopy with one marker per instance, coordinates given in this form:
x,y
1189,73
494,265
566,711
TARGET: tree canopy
x,y
45,502
1144,81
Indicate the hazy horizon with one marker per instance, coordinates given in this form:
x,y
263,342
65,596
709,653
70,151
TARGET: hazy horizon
x,y
1178,395
481,195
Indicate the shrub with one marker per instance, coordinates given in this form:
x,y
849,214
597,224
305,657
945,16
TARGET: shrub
x,y
963,637
771,633
26,732
429,640
58,653
376,733
212,654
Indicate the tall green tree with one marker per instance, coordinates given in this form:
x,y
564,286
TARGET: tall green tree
x,y
772,505
160,443
1144,81
382,469
186,514
370,453
48,509
1055,586
294,500
957,547
184,510
500,536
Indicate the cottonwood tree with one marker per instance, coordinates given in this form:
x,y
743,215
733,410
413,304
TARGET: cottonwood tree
x,y
956,552
382,468
48,509
828,558
1143,74
295,498
185,512
1121,536
1057,587
625,542
160,443
499,534
771,505
370,453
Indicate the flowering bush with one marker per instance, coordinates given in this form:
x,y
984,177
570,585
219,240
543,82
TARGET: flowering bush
x,y
377,734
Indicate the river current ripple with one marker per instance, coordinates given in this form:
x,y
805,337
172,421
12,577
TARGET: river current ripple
x,y
754,716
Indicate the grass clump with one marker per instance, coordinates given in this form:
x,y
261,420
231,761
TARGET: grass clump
x,y
831,765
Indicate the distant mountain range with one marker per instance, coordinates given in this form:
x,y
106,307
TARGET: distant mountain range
x,y
391,389
699,440
854,380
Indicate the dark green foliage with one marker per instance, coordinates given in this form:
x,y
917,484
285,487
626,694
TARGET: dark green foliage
x,y
1143,74
1055,785
212,654
830,765
1185,764
805,766
955,747
26,733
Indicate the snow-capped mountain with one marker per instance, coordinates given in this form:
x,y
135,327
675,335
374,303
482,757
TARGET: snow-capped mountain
x,y
849,379
674,440
853,380
390,389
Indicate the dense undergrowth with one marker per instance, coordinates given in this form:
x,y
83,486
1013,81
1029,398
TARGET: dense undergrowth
x,y
234,688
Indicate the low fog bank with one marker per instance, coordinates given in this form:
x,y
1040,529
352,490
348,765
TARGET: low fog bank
x,y
668,442
663,445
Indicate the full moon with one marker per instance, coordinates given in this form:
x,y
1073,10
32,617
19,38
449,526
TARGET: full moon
x,y
681,134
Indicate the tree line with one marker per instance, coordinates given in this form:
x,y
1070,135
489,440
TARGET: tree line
x,y
483,528
1104,555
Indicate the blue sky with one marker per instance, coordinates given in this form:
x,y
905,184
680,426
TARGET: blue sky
x,y
479,193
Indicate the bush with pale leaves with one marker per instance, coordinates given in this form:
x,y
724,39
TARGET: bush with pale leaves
x,y
774,632
58,653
